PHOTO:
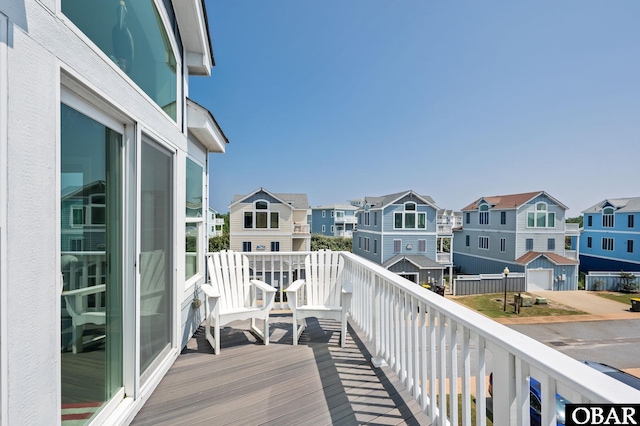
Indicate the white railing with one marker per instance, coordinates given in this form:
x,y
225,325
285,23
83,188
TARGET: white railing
x,y
571,254
299,228
431,342
443,257
344,234
444,229
572,228
346,219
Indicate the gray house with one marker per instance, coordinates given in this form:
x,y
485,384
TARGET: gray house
x,y
399,232
524,232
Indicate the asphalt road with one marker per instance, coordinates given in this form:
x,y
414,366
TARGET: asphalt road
x,y
615,342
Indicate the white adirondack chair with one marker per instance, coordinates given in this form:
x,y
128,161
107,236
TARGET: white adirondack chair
x,y
231,296
321,294
76,307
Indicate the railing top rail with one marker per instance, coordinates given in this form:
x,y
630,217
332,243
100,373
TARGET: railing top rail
x,y
580,377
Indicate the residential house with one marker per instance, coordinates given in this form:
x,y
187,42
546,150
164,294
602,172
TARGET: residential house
x,y
265,221
335,220
524,232
215,224
399,232
95,125
610,238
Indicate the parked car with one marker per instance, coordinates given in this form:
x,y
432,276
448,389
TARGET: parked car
x,y
625,378
535,399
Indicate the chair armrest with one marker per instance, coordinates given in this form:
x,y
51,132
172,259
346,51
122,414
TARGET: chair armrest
x,y
263,286
209,291
292,294
85,291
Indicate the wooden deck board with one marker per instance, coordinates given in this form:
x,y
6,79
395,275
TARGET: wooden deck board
x,y
314,383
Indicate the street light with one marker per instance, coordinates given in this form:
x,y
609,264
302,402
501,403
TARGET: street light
x,y
506,274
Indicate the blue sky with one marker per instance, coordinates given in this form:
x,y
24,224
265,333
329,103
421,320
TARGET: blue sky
x,y
341,99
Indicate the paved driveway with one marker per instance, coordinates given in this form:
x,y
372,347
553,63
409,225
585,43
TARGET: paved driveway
x,y
585,301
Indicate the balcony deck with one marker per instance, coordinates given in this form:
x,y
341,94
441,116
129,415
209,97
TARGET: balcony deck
x,y
314,383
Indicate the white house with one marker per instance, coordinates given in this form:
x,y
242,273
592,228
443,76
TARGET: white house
x,y
97,129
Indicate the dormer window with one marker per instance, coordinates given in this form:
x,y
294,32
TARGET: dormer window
x,y
607,217
409,218
261,217
483,215
541,217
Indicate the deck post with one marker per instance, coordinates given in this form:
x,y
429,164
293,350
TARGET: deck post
x,y
377,360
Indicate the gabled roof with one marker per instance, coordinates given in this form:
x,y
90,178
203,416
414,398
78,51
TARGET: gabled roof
x,y
419,260
631,204
510,202
295,201
385,200
554,258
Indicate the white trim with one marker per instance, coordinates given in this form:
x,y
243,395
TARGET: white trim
x,y
602,231
4,138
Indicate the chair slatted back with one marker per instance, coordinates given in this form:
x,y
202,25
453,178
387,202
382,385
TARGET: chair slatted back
x,y
323,269
152,280
229,275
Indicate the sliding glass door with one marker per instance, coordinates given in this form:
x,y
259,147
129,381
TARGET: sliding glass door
x,y
156,254
91,264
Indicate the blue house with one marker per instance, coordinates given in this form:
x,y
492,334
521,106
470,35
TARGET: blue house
x,y
399,232
524,232
610,239
335,220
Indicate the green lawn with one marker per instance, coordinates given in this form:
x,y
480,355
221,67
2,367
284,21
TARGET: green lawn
x,y
491,305
618,297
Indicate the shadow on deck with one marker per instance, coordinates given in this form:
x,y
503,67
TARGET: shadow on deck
x,y
314,383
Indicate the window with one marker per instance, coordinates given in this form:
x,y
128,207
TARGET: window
x,y
366,218
503,218
91,192
397,246
529,244
366,243
629,246
607,217
194,219
422,246
467,217
324,228
607,244
483,243
503,245
332,229
541,218
246,246
375,218
332,213
275,246
467,241
551,244
76,244
375,246
409,218
359,242
630,221
324,213
483,215
589,220
134,37
261,217
589,242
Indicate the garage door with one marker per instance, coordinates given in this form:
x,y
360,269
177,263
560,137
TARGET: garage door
x,y
539,279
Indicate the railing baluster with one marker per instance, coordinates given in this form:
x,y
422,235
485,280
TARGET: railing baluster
x,y
481,374
442,352
453,371
466,377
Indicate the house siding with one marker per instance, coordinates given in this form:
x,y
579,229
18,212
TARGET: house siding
x,y
473,265
569,271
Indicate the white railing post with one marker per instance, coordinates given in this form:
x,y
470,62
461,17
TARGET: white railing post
x,y
377,360
504,387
